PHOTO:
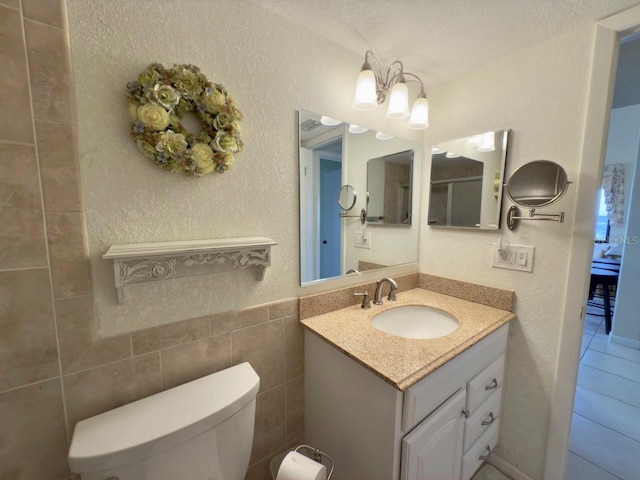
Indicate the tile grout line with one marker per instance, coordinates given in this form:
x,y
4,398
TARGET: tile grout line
x,y
35,139
286,388
616,356
595,465
160,368
30,384
608,428
44,221
4,270
21,144
609,373
45,24
608,396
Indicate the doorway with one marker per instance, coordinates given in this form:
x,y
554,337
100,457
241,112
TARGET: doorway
x,y
605,433
330,225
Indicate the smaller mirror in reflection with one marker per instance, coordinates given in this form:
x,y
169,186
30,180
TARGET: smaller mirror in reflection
x,y
466,181
389,180
347,197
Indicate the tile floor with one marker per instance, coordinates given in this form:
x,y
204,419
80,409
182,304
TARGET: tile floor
x,y
605,433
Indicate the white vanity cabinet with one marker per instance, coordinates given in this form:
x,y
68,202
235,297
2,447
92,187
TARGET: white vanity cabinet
x,y
441,427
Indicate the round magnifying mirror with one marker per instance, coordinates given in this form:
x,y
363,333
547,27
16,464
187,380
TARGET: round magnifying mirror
x,y
347,197
537,184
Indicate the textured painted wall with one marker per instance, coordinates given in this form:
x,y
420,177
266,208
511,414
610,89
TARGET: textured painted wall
x,y
540,94
272,67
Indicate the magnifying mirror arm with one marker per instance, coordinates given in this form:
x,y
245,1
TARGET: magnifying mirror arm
x,y
362,216
513,217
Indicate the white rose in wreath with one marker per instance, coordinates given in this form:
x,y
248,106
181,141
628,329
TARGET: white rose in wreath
x,y
153,116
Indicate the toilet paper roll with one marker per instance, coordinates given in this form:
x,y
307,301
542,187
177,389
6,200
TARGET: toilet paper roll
x,y
296,466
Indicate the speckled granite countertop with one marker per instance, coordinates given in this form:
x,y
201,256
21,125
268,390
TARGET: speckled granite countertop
x,y
402,361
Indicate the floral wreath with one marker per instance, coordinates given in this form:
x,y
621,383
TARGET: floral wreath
x,y
159,98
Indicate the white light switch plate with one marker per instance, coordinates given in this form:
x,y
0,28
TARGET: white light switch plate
x,y
362,240
514,257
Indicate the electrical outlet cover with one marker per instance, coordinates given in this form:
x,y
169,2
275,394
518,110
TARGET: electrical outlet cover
x,y
514,257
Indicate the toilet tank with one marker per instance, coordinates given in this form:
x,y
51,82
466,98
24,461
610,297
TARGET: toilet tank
x,y
202,430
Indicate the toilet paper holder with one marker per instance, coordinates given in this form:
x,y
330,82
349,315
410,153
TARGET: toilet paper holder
x,y
317,455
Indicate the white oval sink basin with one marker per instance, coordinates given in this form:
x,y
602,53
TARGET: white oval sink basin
x,y
415,321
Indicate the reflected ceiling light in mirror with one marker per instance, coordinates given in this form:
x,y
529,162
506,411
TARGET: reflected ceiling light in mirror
x,y
357,128
475,140
383,136
488,143
328,121
436,151
452,155
372,89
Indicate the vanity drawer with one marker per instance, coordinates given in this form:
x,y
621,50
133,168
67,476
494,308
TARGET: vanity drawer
x,y
431,392
486,414
475,456
484,384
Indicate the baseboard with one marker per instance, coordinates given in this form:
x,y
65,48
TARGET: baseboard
x,y
627,342
506,468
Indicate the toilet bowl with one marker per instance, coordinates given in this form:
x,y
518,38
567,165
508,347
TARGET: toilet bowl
x,y
202,430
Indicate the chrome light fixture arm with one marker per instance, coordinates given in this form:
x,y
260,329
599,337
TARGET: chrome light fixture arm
x,y
394,74
415,79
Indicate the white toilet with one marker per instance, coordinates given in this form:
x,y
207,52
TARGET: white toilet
x,y
202,430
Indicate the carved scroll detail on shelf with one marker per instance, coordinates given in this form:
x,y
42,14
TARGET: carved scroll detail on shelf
x,y
150,262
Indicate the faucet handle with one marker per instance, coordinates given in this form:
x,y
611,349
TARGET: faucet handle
x,y
365,299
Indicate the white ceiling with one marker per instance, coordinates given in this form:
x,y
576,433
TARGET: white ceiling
x,y
442,39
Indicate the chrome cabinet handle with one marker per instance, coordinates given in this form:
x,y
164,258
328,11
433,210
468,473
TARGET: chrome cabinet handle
x,y
488,422
494,384
484,457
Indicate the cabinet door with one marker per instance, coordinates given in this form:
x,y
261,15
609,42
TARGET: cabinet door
x,y
433,450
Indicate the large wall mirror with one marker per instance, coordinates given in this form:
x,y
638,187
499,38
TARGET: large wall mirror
x,y
383,173
466,181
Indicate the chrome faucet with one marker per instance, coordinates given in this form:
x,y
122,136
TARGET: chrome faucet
x,y
377,298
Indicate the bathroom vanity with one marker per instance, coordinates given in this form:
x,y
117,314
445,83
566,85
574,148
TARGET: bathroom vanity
x,y
392,408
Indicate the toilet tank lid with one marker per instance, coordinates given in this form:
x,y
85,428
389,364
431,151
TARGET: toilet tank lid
x,y
154,424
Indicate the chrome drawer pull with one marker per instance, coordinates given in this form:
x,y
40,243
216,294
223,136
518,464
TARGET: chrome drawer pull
x,y
493,385
484,457
488,422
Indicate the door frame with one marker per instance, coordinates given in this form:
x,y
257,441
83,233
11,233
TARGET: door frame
x,y
601,85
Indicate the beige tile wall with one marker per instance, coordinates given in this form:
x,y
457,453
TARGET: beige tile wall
x,y
53,370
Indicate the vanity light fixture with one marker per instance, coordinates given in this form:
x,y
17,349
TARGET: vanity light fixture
x,y
357,128
437,151
372,89
383,136
328,121
452,155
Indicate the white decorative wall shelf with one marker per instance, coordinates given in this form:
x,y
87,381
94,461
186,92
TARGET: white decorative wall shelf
x,y
149,262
